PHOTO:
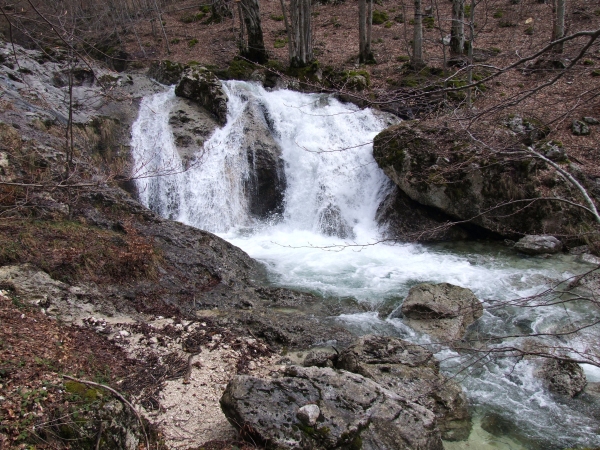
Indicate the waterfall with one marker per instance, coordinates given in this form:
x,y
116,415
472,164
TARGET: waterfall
x,y
333,183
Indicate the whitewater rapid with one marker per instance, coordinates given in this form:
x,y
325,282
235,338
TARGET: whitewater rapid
x,y
327,152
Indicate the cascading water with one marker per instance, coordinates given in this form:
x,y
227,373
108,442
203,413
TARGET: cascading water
x,y
333,190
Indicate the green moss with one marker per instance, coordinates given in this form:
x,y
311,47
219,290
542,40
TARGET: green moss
x,y
276,18
280,43
388,25
192,42
529,31
82,391
379,17
239,69
595,73
498,14
428,22
403,58
399,18
588,62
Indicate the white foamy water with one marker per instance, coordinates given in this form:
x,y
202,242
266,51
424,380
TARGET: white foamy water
x,y
335,187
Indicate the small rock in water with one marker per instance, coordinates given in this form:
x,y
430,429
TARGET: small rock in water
x,y
308,414
538,245
564,377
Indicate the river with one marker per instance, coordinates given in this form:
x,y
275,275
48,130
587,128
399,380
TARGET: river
x,y
327,151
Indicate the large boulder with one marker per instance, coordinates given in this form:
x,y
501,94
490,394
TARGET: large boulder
x,y
538,245
443,310
354,412
203,87
413,373
442,168
563,377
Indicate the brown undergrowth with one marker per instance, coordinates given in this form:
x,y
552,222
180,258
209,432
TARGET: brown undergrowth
x,y
72,251
38,408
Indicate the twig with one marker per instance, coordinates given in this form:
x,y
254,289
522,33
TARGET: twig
x,y
120,397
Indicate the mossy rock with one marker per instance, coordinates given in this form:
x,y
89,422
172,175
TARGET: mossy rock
x,y
166,72
444,169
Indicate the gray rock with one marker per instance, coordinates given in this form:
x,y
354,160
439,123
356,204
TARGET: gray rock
x,y
554,151
355,412
588,258
591,120
477,186
203,87
539,244
441,310
308,414
266,184
563,377
412,372
580,128
320,359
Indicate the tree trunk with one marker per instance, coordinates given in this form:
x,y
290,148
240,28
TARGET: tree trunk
x,y
558,30
253,47
417,57
457,33
365,20
301,32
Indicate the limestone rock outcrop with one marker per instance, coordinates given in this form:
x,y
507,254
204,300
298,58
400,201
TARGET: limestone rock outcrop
x,y
354,412
445,169
443,310
412,372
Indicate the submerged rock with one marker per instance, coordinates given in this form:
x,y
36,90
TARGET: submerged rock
x,y
563,377
442,310
355,412
203,87
537,245
412,372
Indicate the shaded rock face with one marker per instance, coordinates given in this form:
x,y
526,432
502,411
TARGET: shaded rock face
x,y
354,412
443,310
266,184
443,169
402,218
413,373
204,88
538,245
563,377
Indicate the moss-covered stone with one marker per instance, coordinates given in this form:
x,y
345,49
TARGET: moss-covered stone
x,y
444,169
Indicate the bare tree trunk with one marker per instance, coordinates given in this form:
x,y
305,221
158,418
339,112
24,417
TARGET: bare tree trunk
x,y
365,20
301,32
254,47
288,30
457,32
417,56
558,30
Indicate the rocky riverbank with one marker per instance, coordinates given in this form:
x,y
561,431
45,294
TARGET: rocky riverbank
x,y
174,318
